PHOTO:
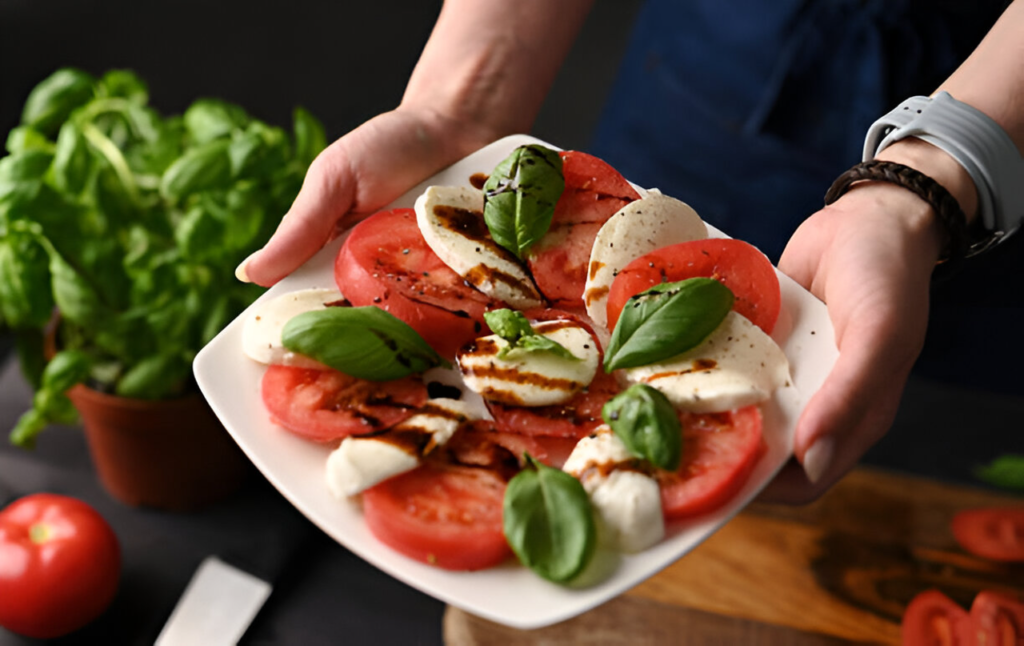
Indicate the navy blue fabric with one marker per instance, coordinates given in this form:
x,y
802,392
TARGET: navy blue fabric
x,y
748,110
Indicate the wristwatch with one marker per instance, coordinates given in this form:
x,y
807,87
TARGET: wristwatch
x,y
974,140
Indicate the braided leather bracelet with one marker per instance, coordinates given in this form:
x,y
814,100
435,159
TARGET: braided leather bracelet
x,y
947,210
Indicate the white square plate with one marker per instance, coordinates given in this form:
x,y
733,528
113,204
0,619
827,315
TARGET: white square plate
x,y
509,594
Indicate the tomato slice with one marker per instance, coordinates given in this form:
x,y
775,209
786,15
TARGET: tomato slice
x,y
933,619
325,405
719,452
997,619
442,514
482,443
386,262
738,265
594,192
574,419
995,533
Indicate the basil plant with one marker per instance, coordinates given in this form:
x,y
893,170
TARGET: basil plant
x,y
129,225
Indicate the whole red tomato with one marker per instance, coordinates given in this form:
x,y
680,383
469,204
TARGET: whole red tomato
x,y
60,564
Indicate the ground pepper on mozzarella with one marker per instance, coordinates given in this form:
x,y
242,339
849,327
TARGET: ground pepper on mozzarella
x,y
736,365
365,460
638,228
624,495
261,333
531,378
452,222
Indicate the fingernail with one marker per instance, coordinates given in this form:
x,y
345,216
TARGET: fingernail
x,y
240,271
818,458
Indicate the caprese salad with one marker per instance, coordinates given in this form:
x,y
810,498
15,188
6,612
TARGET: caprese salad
x,y
534,363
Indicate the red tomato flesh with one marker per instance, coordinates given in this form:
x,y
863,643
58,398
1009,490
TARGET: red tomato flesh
x,y
441,514
325,405
574,419
736,264
483,443
719,452
386,262
997,619
933,619
594,192
996,533
60,565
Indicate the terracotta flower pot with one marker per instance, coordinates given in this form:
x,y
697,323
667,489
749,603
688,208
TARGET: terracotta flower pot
x,y
172,454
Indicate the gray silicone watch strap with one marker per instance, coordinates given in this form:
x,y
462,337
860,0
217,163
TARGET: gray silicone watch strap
x,y
977,142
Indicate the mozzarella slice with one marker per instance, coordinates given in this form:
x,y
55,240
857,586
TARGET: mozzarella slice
x,y
365,460
531,378
625,498
640,227
261,334
737,365
452,222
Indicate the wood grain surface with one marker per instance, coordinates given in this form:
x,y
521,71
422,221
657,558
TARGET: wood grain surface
x,y
840,570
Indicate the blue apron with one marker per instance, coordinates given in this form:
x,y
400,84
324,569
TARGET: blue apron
x,y
749,109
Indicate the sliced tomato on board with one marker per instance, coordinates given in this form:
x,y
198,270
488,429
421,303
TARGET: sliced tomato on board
x,y
736,264
442,514
594,192
574,419
997,619
719,452
992,533
933,619
325,405
386,262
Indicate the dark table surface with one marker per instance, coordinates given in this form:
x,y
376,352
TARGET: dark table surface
x,y
323,594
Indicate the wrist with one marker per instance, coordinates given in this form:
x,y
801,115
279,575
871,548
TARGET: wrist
x,y
940,166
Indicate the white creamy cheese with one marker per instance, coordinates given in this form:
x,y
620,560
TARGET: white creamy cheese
x,y
363,461
638,228
626,501
737,365
531,378
261,334
451,221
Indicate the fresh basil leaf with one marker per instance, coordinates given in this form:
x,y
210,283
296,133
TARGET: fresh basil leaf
x,y
210,119
124,84
55,98
666,320
520,197
199,169
199,235
65,369
548,522
26,300
310,139
515,329
156,377
72,160
364,342
31,355
29,426
74,296
25,138
25,166
1006,471
645,421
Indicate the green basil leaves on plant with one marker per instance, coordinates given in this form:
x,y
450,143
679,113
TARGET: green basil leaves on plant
x,y
55,98
645,421
209,119
199,169
1006,471
513,327
548,522
309,136
72,160
666,320
520,197
50,404
154,377
26,300
364,342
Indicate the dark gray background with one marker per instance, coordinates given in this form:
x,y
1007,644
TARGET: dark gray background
x,y
346,62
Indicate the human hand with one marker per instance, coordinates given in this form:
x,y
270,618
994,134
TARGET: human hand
x,y
356,176
869,256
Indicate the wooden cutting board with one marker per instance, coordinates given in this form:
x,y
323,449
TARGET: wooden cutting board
x,y
835,572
